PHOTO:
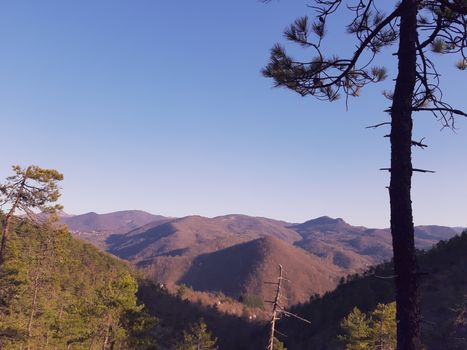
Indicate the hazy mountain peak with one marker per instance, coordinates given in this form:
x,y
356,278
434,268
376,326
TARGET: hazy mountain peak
x,y
63,214
325,220
115,222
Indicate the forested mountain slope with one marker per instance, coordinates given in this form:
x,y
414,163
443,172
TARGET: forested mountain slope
x,y
58,292
175,314
191,249
443,292
244,268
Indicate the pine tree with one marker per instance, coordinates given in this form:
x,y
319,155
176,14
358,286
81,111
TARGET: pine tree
x,y
376,331
357,331
278,345
197,337
57,292
417,26
25,191
383,327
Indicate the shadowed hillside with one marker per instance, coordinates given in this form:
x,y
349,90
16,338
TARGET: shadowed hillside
x,y
175,315
196,233
243,269
443,291
194,249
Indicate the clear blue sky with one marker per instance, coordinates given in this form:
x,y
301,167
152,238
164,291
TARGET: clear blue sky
x,y
160,106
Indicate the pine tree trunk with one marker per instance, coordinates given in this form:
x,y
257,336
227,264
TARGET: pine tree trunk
x,y
107,334
402,228
5,229
6,221
33,304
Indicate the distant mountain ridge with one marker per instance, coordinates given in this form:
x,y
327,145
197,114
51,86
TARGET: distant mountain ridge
x,y
197,234
115,222
210,253
96,228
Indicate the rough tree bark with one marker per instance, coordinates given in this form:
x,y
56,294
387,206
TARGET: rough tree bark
x,y
402,227
5,230
107,333
7,220
33,305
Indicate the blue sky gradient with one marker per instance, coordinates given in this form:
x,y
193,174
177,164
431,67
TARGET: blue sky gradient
x,y
160,106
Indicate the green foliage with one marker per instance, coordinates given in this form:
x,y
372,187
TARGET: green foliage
x,y
181,290
374,331
58,292
379,73
140,326
384,327
175,315
438,45
31,188
442,297
27,190
252,300
356,327
461,64
197,337
278,345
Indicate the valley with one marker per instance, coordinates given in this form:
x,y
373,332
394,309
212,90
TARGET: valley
x,y
237,254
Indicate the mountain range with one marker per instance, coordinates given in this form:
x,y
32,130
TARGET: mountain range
x,y
96,228
237,254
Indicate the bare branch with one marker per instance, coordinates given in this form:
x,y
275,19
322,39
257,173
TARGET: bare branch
x,y
419,144
423,170
296,316
377,125
440,109
386,277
